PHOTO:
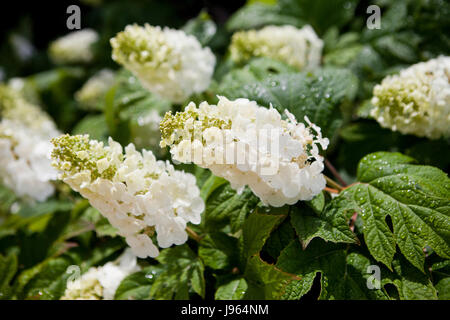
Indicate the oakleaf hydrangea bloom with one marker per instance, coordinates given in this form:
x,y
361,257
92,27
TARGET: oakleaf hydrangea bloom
x,y
25,133
300,48
101,283
249,145
416,101
92,93
75,47
136,193
168,62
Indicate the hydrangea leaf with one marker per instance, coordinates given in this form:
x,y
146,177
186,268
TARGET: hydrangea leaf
x,y
219,251
136,286
257,69
127,103
46,280
183,271
258,14
41,208
266,281
330,225
232,290
319,96
202,27
8,268
343,276
320,14
93,125
443,289
317,203
411,284
7,198
224,205
415,197
258,227
211,184
279,239
43,241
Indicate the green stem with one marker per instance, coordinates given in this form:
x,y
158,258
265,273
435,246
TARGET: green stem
x,y
333,184
194,235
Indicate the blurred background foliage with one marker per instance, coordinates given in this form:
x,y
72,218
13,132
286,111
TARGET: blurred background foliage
x,y
336,97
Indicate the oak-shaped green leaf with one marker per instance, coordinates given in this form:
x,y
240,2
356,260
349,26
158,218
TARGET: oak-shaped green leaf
x,y
330,225
232,290
257,69
136,286
7,198
93,125
225,206
415,199
411,284
183,271
266,281
219,251
130,111
202,27
258,227
8,268
320,14
443,289
343,275
279,239
319,96
46,280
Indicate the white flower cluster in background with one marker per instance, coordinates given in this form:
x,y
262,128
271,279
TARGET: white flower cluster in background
x,y
249,145
300,48
168,62
136,193
25,148
92,93
101,283
75,47
416,101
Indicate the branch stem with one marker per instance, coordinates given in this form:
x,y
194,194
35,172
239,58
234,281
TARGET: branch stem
x,y
331,190
194,235
333,184
335,172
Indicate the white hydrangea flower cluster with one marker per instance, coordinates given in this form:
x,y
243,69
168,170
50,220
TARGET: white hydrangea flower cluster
x,y
300,48
25,148
101,283
168,62
136,193
249,145
75,47
93,91
416,101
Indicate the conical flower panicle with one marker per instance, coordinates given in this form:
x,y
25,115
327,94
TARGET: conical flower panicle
x,y
168,62
249,145
416,101
136,193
